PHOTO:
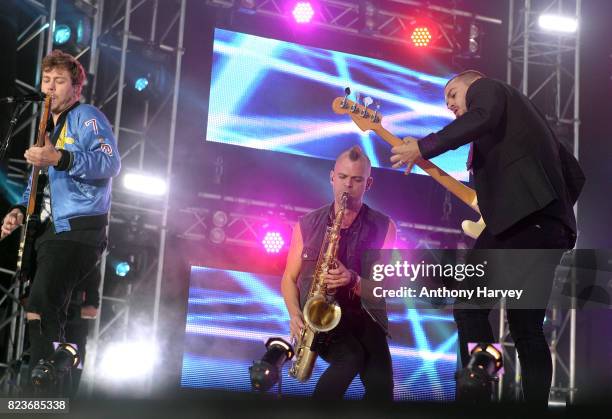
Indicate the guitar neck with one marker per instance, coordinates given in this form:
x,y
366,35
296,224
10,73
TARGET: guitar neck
x,y
40,142
33,191
461,191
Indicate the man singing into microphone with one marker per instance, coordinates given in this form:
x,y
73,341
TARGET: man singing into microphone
x,y
80,157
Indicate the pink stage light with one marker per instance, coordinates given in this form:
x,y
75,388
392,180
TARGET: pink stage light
x,y
273,242
303,12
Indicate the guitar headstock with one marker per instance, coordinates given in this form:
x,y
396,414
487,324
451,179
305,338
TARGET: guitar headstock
x,y
364,117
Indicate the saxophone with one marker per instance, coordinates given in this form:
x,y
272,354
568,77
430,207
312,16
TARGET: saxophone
x,y
321,312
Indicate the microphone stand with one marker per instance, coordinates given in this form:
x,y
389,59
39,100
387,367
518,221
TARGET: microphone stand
x,y
17,109
17,288
9,133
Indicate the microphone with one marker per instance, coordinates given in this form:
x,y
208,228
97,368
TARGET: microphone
x,y
34,97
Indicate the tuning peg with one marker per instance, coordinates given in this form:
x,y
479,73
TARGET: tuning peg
x,y
347,92
367,101
357,100
375,114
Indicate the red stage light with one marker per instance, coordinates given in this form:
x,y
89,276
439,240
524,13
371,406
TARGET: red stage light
x,y
421,36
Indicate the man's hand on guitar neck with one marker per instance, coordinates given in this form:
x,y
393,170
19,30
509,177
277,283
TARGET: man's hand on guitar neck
x,y
11,221
407,153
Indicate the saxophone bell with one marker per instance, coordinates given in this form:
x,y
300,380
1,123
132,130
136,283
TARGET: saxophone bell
x,y
321,313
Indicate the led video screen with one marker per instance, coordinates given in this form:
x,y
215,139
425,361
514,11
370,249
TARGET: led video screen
x,y
231,314
273,95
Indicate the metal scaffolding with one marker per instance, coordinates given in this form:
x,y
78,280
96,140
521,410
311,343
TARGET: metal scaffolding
x,y
145,129
34,41
237,221
382,21
546,67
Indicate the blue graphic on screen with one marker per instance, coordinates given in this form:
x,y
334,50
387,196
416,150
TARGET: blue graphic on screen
x,y
273,95
232,314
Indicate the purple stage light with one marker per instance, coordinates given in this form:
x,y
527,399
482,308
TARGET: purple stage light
x,y
273,242
303,12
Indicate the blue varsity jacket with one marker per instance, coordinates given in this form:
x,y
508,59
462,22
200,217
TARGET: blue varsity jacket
x,y
81,189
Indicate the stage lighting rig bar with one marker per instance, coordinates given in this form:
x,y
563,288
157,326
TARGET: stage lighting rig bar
x,y
390,25
245,218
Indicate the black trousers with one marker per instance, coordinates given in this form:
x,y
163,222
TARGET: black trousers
x,y
61,265
358,345
525,325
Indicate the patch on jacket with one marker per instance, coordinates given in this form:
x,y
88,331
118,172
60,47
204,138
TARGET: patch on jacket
x,y
63,139
106,148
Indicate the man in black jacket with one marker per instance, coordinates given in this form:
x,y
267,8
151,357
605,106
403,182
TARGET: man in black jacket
x,y
526,183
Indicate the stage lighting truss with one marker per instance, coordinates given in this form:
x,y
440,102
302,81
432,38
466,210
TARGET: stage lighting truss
x,y
226,4
242,229
245,222
246,6
365,18
546,66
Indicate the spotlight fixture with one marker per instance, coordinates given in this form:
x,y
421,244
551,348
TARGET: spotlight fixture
x,y
147,71
303,12
141,83
216,235
128,361
421,36
475,382
474,39
72,29
273,242
122,269
48,374
144,184
61,34
369,14
556,23
266,372
220,218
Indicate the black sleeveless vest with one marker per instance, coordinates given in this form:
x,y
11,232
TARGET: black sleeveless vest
x,y
367,231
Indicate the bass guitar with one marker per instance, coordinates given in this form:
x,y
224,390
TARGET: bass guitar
x,y
26,261
368,119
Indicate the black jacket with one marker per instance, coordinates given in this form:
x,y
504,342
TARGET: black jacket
x,y
519,165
